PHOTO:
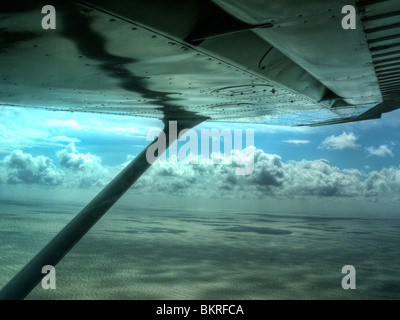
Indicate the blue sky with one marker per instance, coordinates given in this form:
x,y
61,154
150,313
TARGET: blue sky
x,y
84,151
39,132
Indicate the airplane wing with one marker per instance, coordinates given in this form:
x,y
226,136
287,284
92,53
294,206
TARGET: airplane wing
x,y
275,62
280,62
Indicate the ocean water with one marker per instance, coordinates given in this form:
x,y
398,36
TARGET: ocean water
x,y
167,253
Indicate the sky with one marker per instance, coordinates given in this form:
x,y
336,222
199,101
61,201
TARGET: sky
x,y
318,198
73,155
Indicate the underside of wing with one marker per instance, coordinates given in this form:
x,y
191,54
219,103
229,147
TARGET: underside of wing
x,y
274,62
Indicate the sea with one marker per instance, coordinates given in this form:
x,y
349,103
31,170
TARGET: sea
x,y
151,253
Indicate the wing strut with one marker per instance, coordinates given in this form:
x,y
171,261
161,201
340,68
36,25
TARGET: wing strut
x,y
30,275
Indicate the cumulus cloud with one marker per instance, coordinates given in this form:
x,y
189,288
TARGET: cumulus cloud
x,y
297,141
268,170
22,167
78,161
271,177
87,169
320,178
76,170
381,151
375,184
343,141
219,180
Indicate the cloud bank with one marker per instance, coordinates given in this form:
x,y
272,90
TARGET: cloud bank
x,y
272,177
19,167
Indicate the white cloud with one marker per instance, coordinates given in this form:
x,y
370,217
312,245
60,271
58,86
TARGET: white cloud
x,y
343,141
76,170
16,136
20,167
271,177
63,139
19,138
375,184
297,141
381,151
319,178
76,161
71,124
87,169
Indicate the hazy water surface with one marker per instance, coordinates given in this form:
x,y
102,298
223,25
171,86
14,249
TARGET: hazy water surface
x,y
136,253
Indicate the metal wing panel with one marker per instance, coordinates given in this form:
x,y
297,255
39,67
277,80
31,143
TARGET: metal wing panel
x,y
100,59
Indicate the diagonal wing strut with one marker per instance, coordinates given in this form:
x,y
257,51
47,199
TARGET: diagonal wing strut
x,y
30,275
